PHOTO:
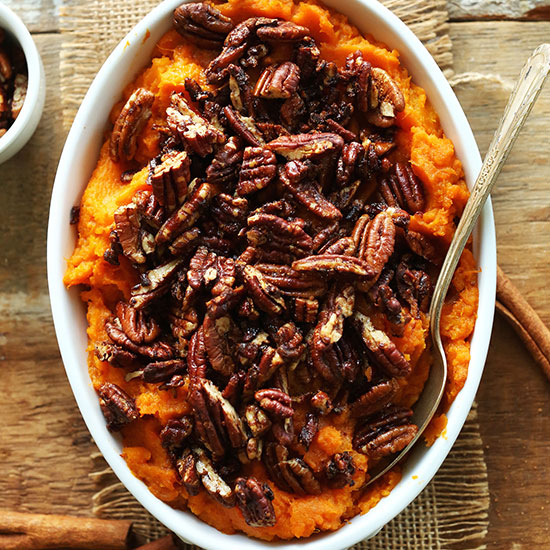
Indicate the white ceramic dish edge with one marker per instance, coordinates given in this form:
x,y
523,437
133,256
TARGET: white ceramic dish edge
x,y
76,164
24,126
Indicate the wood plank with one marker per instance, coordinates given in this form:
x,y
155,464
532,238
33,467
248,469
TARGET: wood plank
x,y
45,447
467,10
513,397
38,15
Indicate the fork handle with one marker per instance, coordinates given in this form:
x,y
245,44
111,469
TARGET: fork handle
x,y
519,105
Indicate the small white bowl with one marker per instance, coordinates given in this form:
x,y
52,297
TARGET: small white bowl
x,y
25,124
75,167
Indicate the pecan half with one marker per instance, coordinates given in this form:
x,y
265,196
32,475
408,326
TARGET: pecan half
x,y
194,131
282,31
278,81
307,192
137,326
299,284
117,406
385,433
257,420
306,309
309,430
236,45
216,342
265,296
333,263
414,286
254,501
129,233
196,355
225,166
377,243
156,283
186,216
169,177
298,477
339,470
203,24
211,480
306,146
115,355
403,189
385,99
375,399
273,230
275,402
186,466
258,170
175,433
216,421
130,122
357,74
381,349
244,126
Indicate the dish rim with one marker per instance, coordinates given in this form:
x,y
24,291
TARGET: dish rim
x,y
423,462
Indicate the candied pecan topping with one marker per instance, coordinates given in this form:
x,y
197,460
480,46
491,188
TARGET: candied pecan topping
x,y
136,325
254,501
385,99
203,24
265,296
169,177
414,286
282,31
225,166
216,342
333,263
278,81
290,282
244,126
382,350
268,227
309,430
294,179
186,466
117,406
156,283
385,433
403,189
176,432
376,398
377,243
217,423
186,216
340,470
236,45
211,480
305,309
194,131
306,146
196,356
258,170
321,402
275,402
130,122
257,420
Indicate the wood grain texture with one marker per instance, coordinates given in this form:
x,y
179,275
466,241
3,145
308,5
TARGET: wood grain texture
x,y
40,16
44,445
514,397
499,9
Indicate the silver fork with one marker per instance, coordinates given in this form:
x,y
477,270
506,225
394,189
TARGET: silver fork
x,y
522,99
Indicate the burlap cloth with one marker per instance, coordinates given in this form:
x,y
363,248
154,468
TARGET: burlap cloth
x,y
452,512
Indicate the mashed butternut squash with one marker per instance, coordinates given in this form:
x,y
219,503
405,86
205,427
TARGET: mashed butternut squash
x,y
419,138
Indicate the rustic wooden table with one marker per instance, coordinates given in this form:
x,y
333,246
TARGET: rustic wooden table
x,y
44,445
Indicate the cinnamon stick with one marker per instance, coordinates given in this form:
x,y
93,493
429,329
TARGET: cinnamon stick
x,y
165,543
524,320
20,531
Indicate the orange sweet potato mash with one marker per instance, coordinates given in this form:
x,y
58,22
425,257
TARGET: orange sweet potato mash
x,y
419,137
